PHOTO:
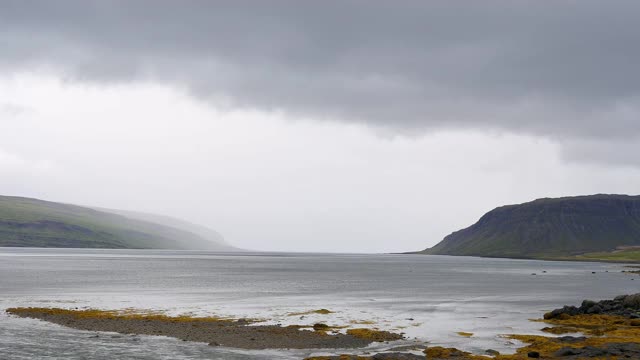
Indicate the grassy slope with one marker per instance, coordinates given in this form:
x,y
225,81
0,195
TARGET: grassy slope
x,y
28,222
618,256
550,228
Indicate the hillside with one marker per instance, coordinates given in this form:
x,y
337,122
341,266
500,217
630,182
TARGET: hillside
x,y
550,228
28,222
199,230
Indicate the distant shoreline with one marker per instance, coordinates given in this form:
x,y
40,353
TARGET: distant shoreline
x,y
574,259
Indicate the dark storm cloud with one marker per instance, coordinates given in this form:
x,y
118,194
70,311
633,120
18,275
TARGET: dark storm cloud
x,y
562,69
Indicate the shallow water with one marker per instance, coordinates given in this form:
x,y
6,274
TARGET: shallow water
x,y
429,298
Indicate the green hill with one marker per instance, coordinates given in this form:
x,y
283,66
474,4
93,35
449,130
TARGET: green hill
x,y
551,228
28,222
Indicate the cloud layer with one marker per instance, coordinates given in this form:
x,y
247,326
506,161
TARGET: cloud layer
x,y
564,70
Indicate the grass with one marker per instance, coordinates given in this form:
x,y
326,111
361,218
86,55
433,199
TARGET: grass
x,y
618,255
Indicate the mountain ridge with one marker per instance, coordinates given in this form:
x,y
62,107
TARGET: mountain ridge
x,y
549,227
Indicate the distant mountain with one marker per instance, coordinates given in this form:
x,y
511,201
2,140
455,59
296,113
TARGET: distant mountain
x,y
26,222
550,228
199,230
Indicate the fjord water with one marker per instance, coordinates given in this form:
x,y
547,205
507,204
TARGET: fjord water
x,y
427,297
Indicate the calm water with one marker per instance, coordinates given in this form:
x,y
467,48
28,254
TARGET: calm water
x,y
427,297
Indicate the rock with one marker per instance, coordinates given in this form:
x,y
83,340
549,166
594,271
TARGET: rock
x,y
320,327
492,352
595,309
632,301
213,343
623,305
571,339
567,351
533,354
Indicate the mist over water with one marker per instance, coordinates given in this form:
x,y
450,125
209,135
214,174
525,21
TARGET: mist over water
x,y
429,298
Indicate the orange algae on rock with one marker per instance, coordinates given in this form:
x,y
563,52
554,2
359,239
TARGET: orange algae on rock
x,y
603,330
126,314
374,335
464,334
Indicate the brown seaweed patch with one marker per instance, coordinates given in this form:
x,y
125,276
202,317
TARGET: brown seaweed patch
x,y
439,352
560,330
374,335
604,330
125,314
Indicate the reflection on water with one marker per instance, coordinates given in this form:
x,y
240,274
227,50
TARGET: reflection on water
x,y
426,297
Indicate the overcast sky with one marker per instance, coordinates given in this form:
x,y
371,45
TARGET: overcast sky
x,y
350,126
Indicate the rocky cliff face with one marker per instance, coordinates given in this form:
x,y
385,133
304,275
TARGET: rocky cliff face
x,y
549,228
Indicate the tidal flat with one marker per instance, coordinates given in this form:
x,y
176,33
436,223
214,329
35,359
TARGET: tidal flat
x,y
240,333
607,329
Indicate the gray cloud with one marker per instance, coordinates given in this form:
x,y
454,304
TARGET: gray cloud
x,y
566,70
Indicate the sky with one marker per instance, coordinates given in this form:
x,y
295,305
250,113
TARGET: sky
x,y
351,126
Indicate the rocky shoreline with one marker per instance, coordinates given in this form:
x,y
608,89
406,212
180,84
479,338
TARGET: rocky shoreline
x,y
606,329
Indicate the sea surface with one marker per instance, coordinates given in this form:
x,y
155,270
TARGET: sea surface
x,y
429,298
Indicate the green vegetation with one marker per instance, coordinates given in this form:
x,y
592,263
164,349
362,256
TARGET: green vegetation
x,y
593,227
28,222
618,255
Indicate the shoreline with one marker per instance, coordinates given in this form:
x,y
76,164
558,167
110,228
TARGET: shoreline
x,y
608,261
594,330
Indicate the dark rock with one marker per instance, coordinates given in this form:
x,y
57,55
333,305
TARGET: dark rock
x,y
623,305
567,351
571,339
492,352
533,354
595,309
632,301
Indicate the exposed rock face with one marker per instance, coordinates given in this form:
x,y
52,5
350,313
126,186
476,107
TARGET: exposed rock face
x,y
550,228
